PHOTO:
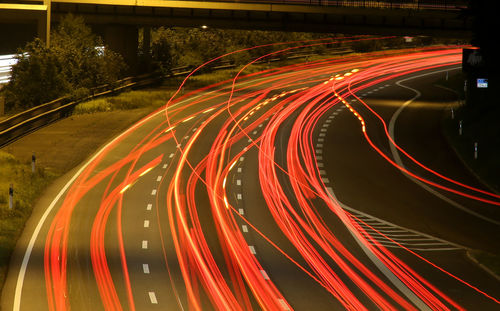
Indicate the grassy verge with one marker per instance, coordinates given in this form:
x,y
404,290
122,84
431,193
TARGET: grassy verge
x,y
125,101
27,187
155,98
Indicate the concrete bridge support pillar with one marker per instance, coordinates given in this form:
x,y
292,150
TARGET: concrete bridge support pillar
x,y
123,39
145,46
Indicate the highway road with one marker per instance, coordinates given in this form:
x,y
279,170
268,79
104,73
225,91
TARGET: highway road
x,y
325,185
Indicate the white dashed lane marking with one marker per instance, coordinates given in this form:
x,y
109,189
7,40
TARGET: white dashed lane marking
x,y
158,178
149,207
264,274
171,155
239,169
241,211
165,165
145,244
284,305
252,249
238,182
239,196
145,268
244,228
153,192
152,297
146,223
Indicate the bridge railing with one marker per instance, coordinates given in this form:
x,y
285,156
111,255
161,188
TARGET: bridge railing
x,y
39,116
384,4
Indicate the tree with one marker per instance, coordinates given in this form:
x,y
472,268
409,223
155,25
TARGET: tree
x,y
87,62
73,64
36,78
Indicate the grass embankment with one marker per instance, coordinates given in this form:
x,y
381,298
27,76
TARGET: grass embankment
x,y
155,98
27,187
479,124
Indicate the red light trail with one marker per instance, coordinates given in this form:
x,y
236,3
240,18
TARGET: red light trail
x,y
211,131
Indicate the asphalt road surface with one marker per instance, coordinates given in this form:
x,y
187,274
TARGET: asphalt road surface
x,y
325,185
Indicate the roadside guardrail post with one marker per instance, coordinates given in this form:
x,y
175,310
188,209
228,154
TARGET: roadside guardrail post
x,y
33,160
460,127
475,151
11,196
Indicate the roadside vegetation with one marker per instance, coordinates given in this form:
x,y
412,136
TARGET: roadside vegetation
x,y
27,187
75,62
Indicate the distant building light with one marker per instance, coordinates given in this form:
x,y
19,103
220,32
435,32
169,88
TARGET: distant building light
x,y
482,83
204,26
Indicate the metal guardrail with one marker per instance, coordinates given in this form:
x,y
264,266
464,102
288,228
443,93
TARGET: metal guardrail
x,y
27,121
34,118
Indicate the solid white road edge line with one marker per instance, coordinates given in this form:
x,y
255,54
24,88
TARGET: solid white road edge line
x,y
378,263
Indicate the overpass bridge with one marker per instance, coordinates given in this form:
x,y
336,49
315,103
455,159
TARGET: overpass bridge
x,y
118,21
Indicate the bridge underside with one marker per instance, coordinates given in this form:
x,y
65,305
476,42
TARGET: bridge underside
x,y
118,24
275,17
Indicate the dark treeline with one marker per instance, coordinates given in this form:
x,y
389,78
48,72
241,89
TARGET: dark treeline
x,y
177,47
